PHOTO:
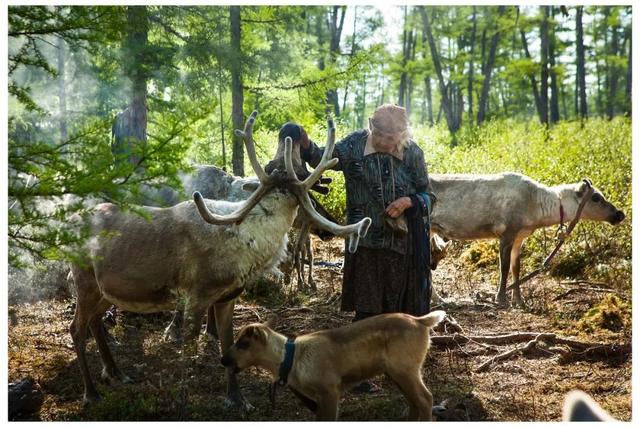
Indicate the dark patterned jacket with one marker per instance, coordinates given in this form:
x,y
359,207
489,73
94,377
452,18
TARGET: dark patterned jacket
x,y
373,182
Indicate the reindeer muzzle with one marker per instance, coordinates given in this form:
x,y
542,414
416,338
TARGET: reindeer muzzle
x,y
618,218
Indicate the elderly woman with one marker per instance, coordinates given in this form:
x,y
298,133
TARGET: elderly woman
x,y
386,179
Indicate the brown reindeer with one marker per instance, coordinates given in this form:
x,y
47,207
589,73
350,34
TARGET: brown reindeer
x,y
141,263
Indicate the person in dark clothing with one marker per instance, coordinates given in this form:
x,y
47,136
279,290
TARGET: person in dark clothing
x,y
386,179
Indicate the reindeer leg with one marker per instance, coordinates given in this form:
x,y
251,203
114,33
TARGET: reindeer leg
x,y
224,323
506,243
109,371
211,323
173,332
87,300
299,254
516,251
193,314
311,282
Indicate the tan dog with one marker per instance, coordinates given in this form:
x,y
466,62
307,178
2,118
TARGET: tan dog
x,y
324,364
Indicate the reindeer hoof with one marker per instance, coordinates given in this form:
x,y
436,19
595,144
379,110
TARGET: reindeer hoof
x,y
91,398
172,336
238,404
502,301
124,378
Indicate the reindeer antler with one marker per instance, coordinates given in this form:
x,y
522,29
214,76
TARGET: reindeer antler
x,y
353,231
265,183
327,162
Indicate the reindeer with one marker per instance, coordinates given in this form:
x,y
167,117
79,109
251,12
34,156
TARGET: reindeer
x,y
510,207
142,263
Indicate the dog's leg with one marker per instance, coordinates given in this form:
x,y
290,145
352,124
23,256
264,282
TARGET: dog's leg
x,y
328,406
419,398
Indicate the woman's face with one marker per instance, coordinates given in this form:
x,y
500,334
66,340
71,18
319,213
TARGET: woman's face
x,y
385,141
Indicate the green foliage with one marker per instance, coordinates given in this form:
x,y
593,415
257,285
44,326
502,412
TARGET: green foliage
x,y
481,254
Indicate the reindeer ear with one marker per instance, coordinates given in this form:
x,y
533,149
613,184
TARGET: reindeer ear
x,y
250,186
582,188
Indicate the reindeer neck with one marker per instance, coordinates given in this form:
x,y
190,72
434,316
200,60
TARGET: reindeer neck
x,y
563,205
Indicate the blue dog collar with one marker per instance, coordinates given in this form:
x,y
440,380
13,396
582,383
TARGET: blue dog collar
x,y
287,363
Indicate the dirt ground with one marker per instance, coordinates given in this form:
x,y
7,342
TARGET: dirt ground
x,y
527,387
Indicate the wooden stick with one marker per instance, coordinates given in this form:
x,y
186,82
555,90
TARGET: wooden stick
x,y
508,354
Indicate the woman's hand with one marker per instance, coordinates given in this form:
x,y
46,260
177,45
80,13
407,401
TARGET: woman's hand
x,y
395,209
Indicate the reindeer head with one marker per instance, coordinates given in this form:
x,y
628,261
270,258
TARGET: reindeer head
x,y
288,181
597,208
439,249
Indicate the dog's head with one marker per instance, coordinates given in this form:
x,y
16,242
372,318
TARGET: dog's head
x,y
249,349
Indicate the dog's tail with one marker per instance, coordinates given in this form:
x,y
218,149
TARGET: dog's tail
x,y
432,319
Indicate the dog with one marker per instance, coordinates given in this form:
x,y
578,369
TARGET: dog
x,y
320,366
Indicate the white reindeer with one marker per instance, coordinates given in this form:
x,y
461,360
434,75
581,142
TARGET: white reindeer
x,y
509,206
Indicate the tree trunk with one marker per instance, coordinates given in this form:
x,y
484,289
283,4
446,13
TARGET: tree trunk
x,y
224,146
580,68
628,78
532,77
471,75
338,14
613,74
353,51
62,89
130,127
406,41
482,105
445,104
544,66
427,88
412,57
237,95
554,106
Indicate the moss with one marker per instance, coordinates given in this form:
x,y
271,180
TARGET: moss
x,y
611,313
481,254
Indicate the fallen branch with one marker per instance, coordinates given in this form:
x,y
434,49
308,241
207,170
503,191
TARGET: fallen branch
x,y
568,349
573,290
578,282
512,338
598,352
508,354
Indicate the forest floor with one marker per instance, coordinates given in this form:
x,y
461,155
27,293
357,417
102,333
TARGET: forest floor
x,y
526,387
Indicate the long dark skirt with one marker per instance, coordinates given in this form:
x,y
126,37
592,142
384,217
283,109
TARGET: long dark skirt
x,y
379,281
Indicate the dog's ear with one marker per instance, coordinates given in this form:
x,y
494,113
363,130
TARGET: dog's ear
x,y
261,335
248,331
272,321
